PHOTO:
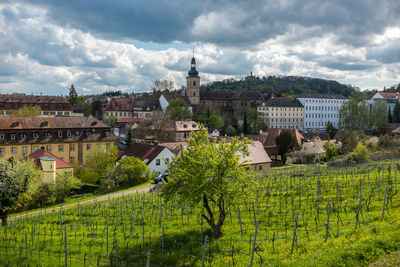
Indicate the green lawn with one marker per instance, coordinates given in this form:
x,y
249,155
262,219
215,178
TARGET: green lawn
x,y
308,216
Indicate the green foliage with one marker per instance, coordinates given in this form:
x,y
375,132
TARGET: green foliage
x,y
331,149
130,171
287,143
214,121
360,153
178,110
16,178
27,111
331,130
255,122
210,172
111,121
87,107
73,95
396,113
289,85
390,117
349,141
63,186
96,167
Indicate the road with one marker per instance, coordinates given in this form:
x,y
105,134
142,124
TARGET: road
x,y
89,201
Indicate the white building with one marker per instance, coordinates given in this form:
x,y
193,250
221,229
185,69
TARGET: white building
x,y
319,109
389,98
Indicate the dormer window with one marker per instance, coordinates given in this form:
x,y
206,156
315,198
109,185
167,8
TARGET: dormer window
x,y
23,136
107,133
1,136
93,123
185,126
43,123
12,136
88,133
15,124
77,133
47,135
194,125
69,134
60,134
35,135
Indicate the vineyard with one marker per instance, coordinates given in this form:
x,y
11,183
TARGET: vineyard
x,y
306,216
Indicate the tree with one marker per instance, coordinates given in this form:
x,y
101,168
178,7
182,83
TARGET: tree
x,y
162,86
111,120
209,174
17,178
245,128
27,111
379,113
390,118
255,122
360,153
96,167
178,110
331,150
396,112
129,136
64,184
214,121
331,130
73,95
287,143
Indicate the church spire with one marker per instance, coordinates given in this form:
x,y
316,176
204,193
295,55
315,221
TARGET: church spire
x,y
193,72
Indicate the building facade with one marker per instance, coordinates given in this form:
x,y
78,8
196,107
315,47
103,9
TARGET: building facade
x,y
119,107
50,106
282,113
193,84
390,99
72,139
319,109
148,109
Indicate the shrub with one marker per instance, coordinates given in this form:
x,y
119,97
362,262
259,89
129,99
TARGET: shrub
x,y
331,150
360,153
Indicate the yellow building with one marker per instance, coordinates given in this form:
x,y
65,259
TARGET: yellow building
x,y
50,165
72,139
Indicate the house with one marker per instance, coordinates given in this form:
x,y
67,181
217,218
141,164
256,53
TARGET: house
x,y
50,106
156,157
282,113
165,130
148,109
165,99
390,99
212,132
258,159
119,107
50,165
70,138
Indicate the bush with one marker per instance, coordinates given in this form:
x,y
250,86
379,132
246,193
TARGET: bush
x,y
63,186
360,153
331,149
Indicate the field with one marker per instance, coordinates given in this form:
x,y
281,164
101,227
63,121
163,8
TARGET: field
x,y
307,216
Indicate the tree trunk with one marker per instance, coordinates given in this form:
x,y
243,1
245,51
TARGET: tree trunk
x,y
217,228
3,217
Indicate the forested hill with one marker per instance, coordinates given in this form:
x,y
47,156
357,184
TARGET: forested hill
x,y
287,85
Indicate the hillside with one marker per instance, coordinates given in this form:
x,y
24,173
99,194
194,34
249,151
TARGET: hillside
x,y
304,216
288,85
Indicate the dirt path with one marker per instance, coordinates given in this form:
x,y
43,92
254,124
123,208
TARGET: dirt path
x,y
88,201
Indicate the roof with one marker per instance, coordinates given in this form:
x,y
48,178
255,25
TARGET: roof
x,y
147,153
283,102
325,96
119,104
174,147
389,95
259,137
396,131
184,126
13,123
231,95
274,132
173,97
47,155
129,120
257,154
33,99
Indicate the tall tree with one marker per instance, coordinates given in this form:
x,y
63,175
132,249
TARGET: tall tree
x,y
396,112
245,126
16,178
390,118
73,95
178,110
287,143
209,174
214,121
162,86
255,122
331,130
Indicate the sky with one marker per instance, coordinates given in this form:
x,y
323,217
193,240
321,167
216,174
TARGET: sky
x,y
103,45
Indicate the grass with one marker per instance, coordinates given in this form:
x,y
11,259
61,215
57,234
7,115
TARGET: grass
x,y
138,229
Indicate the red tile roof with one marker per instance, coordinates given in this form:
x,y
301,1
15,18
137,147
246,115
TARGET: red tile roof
x,y
60,164
388,95
144,151
120,104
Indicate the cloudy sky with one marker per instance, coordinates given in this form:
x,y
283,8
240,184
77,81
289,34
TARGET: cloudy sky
x,y
101,45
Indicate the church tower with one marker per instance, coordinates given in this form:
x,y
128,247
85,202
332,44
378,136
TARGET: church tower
x,y
193,84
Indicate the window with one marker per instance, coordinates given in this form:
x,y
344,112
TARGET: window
x,y
12,136
1,136
59,113
72,147
1,151
66,113
35,148
87,133
60,134
45,113
47,135
24,150
87,146
53,113
167,160
14,150
35,135
107,146
23,136
48,148
60,147
69,134
71,160
157,162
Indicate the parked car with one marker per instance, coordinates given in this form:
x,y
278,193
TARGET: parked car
x,y
159,182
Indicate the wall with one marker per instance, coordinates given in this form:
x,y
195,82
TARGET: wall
x,y
167,154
